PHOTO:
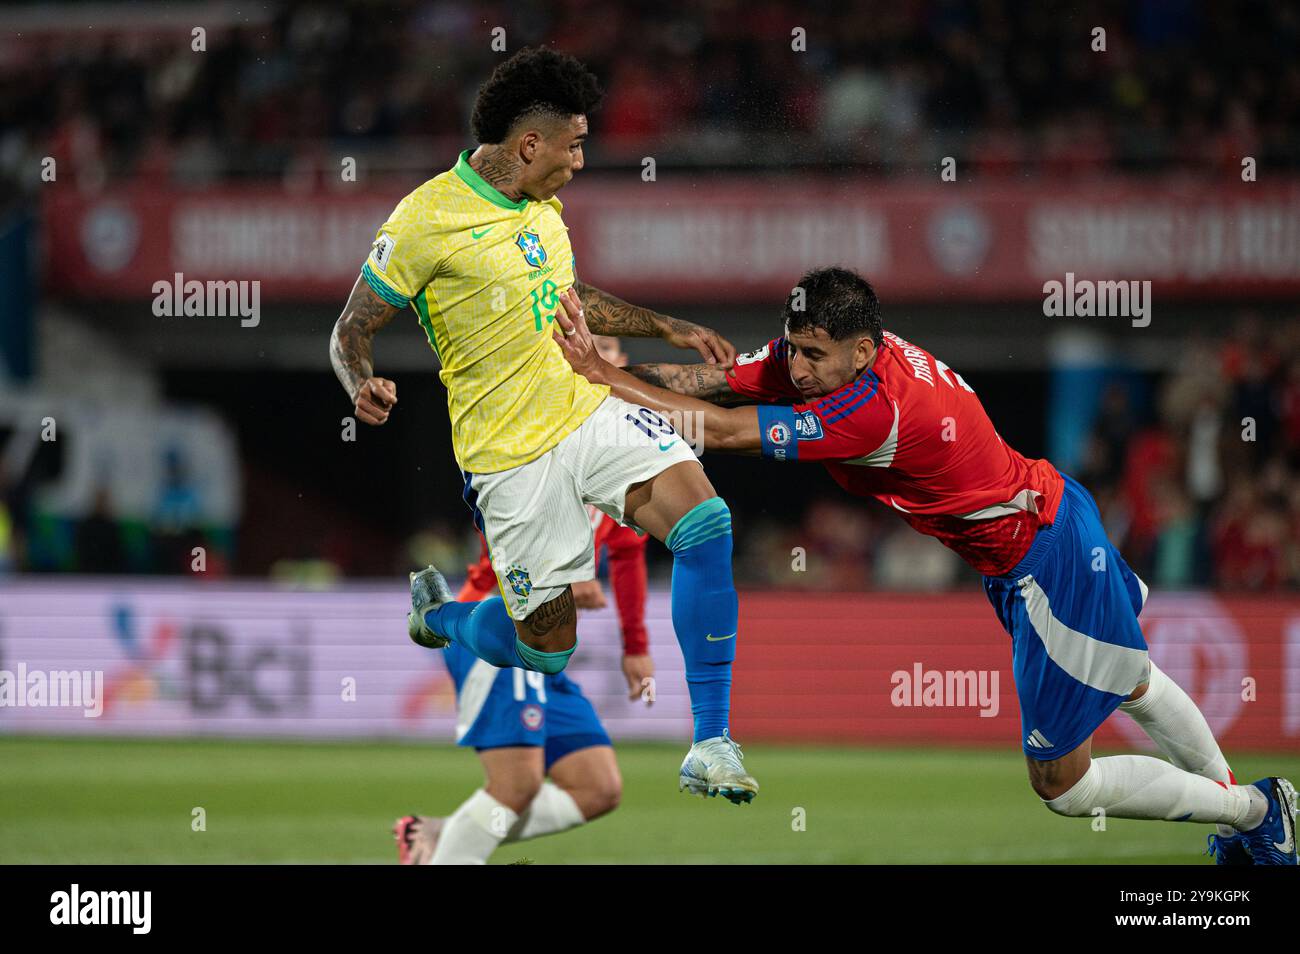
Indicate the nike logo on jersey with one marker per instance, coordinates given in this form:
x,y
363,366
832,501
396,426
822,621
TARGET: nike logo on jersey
x,y
717,639
664,447
476,234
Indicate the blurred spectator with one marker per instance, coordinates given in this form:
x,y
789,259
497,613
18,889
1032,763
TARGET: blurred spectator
x,y
176,516
1210,493
99,539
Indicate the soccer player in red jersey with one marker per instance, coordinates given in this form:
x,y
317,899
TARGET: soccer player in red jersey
x,y
892,422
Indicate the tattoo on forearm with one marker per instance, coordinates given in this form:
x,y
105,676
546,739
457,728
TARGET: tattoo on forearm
x,y
704,381
607,315
363,315
551,615
651,374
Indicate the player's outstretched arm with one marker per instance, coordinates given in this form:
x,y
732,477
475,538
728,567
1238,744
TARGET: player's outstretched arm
x,y
607,315
733,430
350,349
708,382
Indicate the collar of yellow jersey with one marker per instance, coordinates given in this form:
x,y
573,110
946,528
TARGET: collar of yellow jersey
x,y
480,185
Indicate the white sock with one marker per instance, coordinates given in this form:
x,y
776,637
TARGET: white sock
x,y
552,810
1169,716
473,831
1139,786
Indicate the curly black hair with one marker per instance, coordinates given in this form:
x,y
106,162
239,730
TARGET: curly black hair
x,y
534,80
841,302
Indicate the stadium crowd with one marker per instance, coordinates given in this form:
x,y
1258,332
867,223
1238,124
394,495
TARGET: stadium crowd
x,y
1208,491
1006,87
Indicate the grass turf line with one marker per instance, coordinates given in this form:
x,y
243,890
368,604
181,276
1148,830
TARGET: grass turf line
x,y
131,801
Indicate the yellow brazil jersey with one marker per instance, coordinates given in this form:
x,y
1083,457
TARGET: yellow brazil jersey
x,y
484,274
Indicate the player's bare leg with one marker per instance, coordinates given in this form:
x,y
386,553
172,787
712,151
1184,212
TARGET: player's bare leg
x,y
589,779
516,803
552,627
658,504
1139,786
680,507
514,775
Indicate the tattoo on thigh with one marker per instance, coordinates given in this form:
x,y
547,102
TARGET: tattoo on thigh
x,y
551,615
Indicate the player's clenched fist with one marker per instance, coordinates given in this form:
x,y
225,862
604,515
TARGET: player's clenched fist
x,y
375,399
640,674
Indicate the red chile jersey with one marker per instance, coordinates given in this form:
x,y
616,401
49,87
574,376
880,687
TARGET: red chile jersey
x,y
911,433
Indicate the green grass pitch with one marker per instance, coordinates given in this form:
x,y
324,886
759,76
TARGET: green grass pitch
x,y
128,801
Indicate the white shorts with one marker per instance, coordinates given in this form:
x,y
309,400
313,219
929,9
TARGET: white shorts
x,y
535,516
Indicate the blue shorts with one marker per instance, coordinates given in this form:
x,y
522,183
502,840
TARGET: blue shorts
x,y
510,707
1071,607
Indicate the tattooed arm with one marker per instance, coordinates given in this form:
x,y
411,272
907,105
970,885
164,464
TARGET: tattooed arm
x,y
708,382
363,315
726,429
607,315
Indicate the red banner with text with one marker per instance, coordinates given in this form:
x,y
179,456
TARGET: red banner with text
x,y
719,239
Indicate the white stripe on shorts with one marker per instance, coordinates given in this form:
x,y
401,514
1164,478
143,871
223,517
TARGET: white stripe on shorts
x,y
1101,665
473,694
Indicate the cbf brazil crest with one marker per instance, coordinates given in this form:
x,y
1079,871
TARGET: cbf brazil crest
x,y
530,243
519,581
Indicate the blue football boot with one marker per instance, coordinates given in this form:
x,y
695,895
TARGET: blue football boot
x,y
1272,841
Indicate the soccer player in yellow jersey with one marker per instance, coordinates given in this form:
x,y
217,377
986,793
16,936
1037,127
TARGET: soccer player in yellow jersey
x,y
482,256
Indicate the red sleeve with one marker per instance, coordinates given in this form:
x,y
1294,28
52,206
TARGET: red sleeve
x,y
857,421
481,579
627,575
764,375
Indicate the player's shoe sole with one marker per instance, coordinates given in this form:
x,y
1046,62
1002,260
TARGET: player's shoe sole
x,y
1228,851
713,767
429,590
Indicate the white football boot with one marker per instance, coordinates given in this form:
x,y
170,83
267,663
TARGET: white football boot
x,y
429,590
712,767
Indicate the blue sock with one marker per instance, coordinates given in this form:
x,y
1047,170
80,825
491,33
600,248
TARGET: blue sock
x,y
484,628
705,611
